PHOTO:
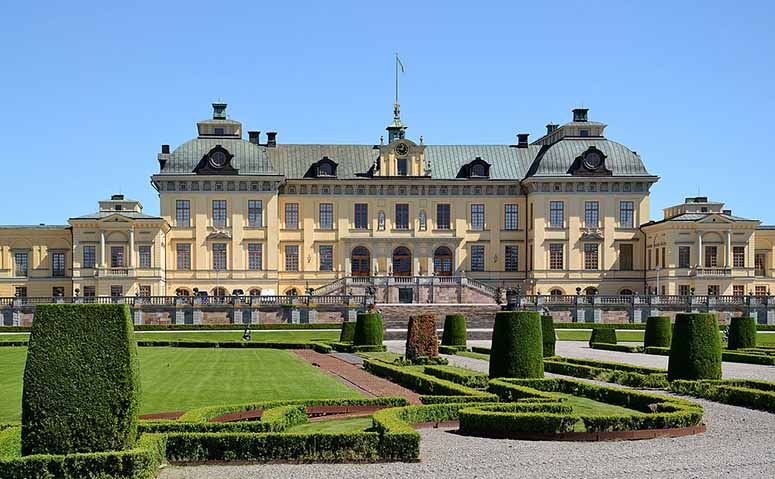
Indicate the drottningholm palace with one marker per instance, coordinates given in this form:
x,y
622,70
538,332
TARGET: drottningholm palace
x,y
567,213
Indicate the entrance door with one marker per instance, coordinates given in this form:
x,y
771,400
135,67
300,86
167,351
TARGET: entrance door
x,y
360,261
402,262
442,261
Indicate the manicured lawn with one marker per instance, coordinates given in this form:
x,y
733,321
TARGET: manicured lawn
x,y
14,337
588,407
177,379
265,335
574,335
352,424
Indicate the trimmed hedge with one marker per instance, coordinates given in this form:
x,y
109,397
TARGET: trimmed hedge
x,y
193,343
450,349
741,357
548,335
348,332
517,349
235,326
659,332
695,352
81,381
742,333
465,377
737,392
421,338
350,348
632,376
622,348
602,335
657,350
454,330
368,330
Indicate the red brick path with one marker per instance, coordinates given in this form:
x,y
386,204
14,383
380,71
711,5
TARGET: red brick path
x,y
357,378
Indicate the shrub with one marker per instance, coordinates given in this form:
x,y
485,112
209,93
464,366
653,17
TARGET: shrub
x,y
624,374
549,337
517,349
450,349
742,333
471,379
657,350
454,330
348,332
659,332
695,352
737,392
622,348
81,381
421,339
739,357
368,330
603,335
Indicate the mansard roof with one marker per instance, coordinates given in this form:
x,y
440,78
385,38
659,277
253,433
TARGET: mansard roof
x,y
556,159
249,158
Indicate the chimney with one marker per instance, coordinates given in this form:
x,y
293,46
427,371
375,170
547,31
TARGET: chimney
x,y
522,140
551,128
271,139
253,136
580,114
165,149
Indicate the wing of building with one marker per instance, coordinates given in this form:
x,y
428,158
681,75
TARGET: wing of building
x,y
566,213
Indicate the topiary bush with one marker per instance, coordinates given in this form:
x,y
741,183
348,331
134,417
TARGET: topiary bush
x,y
606,335
695,352
549,337
81,381
421,338
368,330
348,332
517,346
742,333
659,332
454,330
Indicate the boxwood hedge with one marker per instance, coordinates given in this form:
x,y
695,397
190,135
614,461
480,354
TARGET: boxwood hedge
x,y
659,332
517,345
695,352
603,335
348,332
548,335
742,333
368,330
81,381
454,330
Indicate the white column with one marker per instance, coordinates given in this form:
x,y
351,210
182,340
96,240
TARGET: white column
x,y
729,249
132,248
348,268
102,248
416,264
699,249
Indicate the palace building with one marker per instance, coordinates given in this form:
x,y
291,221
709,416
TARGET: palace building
x,y
566,213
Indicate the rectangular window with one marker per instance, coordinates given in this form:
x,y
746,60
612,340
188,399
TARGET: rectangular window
x,y
738,256
183,213
402,167
648,257
89,256
326,253
326,216
591,256
291,258
556,260
511,217
255,213
116,256
656,251
477,258
21,292
255,256
219,213
512,258
292,216
760,290
759,261
57,264
591,214
477,217
89,291
664,258
738,290
116,291
402,216
684,257
442,217
625,257
183,255
144,290
361,216
219,256
627,214
556,214
684,290
711,257
713,290
21,261
144,256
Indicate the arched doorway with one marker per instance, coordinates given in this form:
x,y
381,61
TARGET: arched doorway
x,y
255,292
402,261
219,292
590,291
626,292
182,292
360,260
442,261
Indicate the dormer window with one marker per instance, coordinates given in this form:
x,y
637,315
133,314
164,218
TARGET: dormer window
x,y
218,131
323,168
583,132
476,169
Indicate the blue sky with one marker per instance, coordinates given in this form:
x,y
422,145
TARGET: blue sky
x,y
91,90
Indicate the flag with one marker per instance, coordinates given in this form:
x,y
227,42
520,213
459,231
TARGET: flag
x,y
399,63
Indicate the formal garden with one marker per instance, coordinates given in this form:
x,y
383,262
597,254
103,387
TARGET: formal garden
x,y
87,394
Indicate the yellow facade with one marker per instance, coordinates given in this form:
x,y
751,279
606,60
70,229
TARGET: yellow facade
x,y
566,213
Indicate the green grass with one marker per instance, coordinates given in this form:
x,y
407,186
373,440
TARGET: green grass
x,y
352,424
257,336
177,379
10,443
589,407
574,335
469,354
14,337
386,356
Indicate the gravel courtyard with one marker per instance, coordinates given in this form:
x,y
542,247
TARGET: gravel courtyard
x,y
739,443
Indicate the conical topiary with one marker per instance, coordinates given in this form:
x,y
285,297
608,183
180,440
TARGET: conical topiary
x,y
517,349
695,352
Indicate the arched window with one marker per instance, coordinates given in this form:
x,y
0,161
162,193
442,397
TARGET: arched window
x,y
442,261
292,292
219,292
556,292
402,261
590,291
255,292
182,292
360,261
381,221
478,169
626,292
